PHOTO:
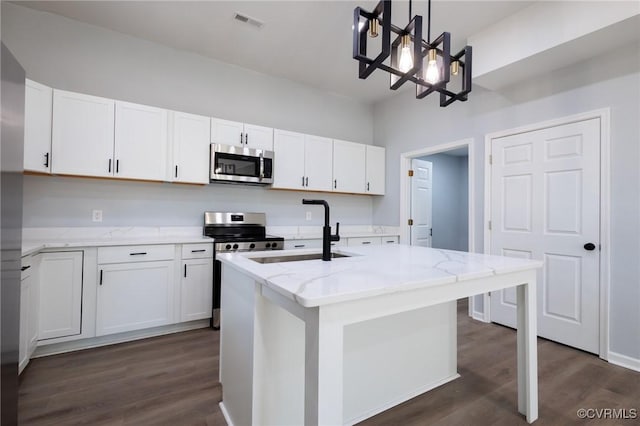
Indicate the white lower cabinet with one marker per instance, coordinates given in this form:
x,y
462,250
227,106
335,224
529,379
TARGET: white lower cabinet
x,y
29,311
196,289
135,294
363,241
60,298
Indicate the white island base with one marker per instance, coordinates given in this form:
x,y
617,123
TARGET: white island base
x,y
332,343
386,360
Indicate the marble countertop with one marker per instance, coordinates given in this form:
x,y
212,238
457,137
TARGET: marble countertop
x,y
370,271
36,239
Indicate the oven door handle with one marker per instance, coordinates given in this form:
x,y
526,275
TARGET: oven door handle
x,y
261,167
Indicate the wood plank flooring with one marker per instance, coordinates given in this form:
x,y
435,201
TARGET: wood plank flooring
x,y
173,380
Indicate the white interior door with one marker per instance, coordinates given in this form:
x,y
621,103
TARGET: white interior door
x,y
545,197
421,189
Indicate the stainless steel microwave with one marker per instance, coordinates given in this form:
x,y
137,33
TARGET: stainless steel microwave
x,y
241,165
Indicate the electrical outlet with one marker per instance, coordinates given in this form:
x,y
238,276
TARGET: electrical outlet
x,y
96,215
308,216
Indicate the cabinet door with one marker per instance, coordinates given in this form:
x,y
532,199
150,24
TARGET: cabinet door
x,y
348,167
318,159
190,140
23,348
38,104
288,164
227,132
133,296
82,134
197,289
140,142
258,137
375,166
60,294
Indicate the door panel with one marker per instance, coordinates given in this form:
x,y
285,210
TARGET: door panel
x,y
317,156
421,192
545,205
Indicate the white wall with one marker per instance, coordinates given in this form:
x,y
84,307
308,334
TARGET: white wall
x,y
608,81
450,210
71,55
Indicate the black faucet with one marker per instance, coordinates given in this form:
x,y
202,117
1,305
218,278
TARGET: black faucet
x,y
326,229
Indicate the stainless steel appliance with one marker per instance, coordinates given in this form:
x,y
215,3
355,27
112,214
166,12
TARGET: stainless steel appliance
x,y
236,164
235,232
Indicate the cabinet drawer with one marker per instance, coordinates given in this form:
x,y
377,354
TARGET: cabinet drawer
x,y
122,254
302,244
359,241
197,251
390,240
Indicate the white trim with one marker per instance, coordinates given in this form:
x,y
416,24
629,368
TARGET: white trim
x,y
225,413
405,191
603,115
624,361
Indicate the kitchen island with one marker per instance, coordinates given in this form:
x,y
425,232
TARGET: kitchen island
x,y
313,342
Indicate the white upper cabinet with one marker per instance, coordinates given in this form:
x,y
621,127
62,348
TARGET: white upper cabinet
x,y
375,170
247,135
38,104
288,167
190,147
301,161
348,167
141,142
82,134
318,157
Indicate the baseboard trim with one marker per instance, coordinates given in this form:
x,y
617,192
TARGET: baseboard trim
x,y
225,413
112,339
402,399
624,361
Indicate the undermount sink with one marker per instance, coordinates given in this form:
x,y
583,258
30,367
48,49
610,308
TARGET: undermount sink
x,y
295,257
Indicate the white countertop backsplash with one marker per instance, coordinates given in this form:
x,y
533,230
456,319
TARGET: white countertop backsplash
x,y
35,239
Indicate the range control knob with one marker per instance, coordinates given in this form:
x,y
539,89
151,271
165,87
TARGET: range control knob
x,y
267,245
273,245
235,246
228,246
252,246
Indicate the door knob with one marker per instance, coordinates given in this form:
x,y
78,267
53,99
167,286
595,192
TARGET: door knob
x,y
589,246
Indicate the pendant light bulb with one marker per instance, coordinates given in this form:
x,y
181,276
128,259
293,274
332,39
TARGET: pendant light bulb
x,y
432,74
405,63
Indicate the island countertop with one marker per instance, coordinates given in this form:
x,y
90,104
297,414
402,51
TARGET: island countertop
x,y
370,271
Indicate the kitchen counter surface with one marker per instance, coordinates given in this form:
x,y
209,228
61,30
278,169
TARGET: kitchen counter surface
x,y
36,239
371,271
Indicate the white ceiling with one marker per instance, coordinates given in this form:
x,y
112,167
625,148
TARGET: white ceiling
x,y
305,41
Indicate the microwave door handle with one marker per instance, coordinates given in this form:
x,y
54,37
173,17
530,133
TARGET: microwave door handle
x,y
261,167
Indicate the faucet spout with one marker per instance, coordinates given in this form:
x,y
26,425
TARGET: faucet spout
x,y
326,229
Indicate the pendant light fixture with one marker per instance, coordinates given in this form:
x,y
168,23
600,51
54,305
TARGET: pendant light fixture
x,y
429,64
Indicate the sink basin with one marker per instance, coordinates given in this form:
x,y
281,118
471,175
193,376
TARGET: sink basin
x,y
295,257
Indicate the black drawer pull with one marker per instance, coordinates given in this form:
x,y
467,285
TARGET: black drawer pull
x,y
100,276
185,270
299,245
46,160
138,253
198,251
391,241
109,165
24,268
366,242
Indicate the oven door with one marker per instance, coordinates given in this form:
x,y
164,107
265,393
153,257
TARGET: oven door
x,y
238,164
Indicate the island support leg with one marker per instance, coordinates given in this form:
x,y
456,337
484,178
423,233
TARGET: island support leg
x,y
527,351
323,389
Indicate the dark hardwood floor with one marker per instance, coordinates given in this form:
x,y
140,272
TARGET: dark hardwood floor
x,y
173,380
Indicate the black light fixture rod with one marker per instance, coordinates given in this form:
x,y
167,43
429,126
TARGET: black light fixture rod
x,y
409,10
429,22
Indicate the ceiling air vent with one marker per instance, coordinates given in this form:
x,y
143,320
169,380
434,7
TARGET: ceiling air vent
x,y
248,20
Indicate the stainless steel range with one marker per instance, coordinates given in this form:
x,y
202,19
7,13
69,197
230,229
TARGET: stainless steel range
x,y
235,232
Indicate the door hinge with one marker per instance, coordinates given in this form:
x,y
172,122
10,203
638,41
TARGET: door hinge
x,y
410,173
410,222
490,159
489,225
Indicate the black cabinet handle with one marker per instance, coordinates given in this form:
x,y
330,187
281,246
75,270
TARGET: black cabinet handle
x,y
299,245
241,138
302,180
100,276
138,253
198,251
117,166
46,160
367,186
246,138
366,242
335,183
109,165
176,171
24,268
590,246
185,270
306,181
